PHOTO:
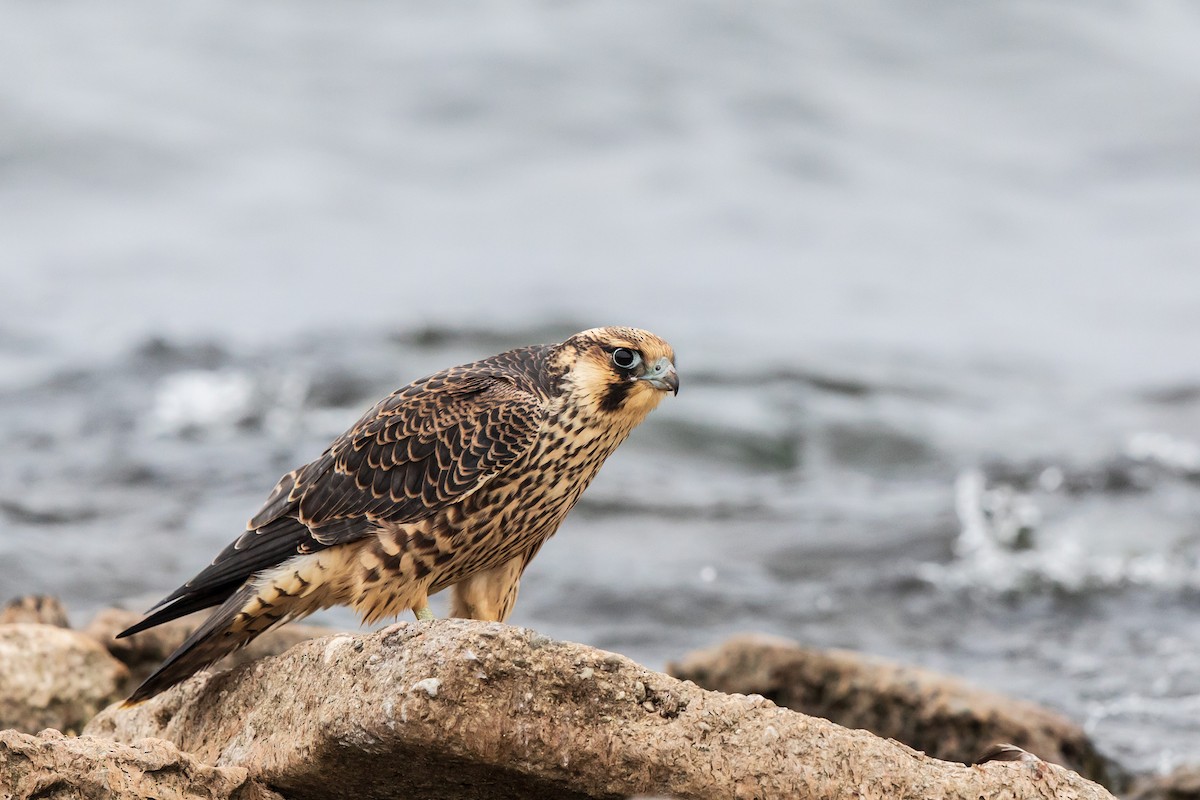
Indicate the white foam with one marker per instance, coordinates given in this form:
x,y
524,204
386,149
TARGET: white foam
x,y
201,399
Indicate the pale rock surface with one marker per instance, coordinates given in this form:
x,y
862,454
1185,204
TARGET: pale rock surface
x,y
51,766
41,608
1182,784
51,677
938,714
461,709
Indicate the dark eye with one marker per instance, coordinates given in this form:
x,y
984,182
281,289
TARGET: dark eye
x,y
625,358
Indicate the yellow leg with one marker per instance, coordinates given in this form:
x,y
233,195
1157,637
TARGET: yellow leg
x,y
424,613
488,595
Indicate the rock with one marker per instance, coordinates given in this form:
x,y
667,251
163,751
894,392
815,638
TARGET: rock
x,y
1182,784
53,678
144,651
463,709
41,608
56,767
940,715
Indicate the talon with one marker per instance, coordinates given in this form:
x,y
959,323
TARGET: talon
x,y
424,613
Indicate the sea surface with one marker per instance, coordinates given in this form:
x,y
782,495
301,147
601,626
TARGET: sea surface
x,y
931,269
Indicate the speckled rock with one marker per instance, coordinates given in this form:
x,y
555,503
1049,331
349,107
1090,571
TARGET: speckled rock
x,y
41,608
56,767
1182,784
51,677
462,709
935,713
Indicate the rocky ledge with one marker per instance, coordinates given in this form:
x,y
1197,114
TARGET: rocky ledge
x,y
56,767
936,713
458,709
52,677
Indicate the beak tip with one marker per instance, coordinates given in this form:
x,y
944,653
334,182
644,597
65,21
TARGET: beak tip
x,y
663,377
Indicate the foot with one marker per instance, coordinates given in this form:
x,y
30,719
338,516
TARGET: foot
x,y
424,613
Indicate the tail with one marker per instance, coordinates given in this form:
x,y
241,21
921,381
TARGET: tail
x,y
267,576
231,626
292,590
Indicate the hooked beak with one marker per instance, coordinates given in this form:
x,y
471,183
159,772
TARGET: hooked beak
x,y
662,376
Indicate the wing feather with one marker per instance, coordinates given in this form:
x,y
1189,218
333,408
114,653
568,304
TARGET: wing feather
x,y
422,450
418,451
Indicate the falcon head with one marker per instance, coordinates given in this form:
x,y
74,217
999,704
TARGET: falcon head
x,y
623,371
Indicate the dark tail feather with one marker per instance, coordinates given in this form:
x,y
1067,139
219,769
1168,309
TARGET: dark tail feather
x,y
216,638
251,553
181,608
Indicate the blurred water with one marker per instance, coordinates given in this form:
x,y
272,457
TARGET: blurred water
x,y
929,268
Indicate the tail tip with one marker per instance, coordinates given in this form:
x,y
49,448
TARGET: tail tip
x,y
139,696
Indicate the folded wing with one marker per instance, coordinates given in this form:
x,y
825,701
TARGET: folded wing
x,y
417,452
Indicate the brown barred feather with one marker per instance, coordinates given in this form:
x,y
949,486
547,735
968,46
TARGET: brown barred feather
x,y
454,480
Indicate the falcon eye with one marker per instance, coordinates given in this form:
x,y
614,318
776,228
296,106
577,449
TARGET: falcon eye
x,y
624,358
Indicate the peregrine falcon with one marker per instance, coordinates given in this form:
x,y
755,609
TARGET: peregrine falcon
x,y
455,480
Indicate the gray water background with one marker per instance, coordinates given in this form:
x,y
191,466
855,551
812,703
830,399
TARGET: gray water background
x,y
930,269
